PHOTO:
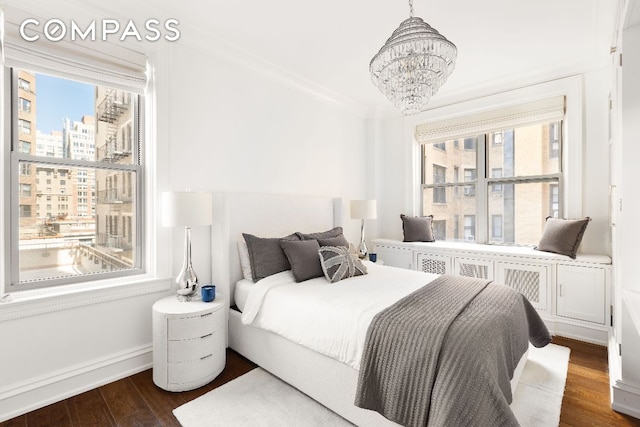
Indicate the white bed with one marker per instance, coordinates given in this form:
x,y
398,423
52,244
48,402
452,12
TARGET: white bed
x,y
325,379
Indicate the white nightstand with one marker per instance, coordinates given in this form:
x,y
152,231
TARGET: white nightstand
x,y
188,342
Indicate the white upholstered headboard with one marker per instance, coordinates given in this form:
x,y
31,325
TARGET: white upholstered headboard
x,y
264,215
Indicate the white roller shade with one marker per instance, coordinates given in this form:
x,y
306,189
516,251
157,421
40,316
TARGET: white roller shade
x,y
544,110
95,61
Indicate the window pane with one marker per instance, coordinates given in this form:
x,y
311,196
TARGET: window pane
x,y
448,214
527,151
523,209
85,223
102,128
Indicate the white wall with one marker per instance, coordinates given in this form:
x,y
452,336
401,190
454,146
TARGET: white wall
x,y
399,172
222,126
233,129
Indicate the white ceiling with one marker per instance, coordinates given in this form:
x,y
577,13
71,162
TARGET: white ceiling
x,y
501,43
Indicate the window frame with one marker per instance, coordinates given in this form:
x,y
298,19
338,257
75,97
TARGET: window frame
x,y
18,158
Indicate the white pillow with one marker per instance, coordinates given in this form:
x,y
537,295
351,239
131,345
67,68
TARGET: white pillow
x,y
245,262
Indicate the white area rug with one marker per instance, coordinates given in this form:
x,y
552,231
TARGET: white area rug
x,y
260,399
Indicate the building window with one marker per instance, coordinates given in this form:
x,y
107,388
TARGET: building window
x,y
83,252
554,200
496,173
522,184
496,228
554,140
24,126
25,190
25,105
24,147
25,211
440,146
469,228
470,175
496,138
440,229
439,177
24,85
470,144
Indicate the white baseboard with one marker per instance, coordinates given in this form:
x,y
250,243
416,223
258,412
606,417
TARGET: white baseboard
x,y
625,399
18,399
581,331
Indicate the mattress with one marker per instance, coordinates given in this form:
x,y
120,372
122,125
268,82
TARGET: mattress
x,y
243,287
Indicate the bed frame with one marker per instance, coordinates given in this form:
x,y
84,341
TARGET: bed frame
x,y
322,378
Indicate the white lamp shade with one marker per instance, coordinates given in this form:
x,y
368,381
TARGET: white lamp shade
x,y
187,208
363,209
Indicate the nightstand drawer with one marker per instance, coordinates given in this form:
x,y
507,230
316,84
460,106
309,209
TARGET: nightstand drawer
x,y
195,326
185,350
193,370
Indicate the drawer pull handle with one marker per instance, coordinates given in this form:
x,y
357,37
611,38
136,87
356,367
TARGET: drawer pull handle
x,y
206,314
205,336
204,357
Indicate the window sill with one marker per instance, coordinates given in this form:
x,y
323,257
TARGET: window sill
x,y
41,301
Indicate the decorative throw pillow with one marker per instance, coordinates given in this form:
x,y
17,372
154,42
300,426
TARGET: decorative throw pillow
x,y
417,228
245,262
334,241
266,255
303,257
334,232
338,263
562,236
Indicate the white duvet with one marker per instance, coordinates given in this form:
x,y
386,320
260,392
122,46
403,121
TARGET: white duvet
x,y
330,318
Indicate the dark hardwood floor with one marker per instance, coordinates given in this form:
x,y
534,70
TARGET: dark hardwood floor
x,y
136,401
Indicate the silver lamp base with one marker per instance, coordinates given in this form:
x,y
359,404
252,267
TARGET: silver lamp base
x,y
187,280
362,247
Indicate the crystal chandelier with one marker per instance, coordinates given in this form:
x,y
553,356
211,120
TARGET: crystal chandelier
x,y
413,64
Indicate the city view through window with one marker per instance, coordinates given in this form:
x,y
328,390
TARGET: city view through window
x,y
518,171
76,176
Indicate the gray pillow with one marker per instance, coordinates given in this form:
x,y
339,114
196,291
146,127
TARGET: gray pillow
x,y
334,241
417,228
562,236
266,255
303,257
338,263
334,232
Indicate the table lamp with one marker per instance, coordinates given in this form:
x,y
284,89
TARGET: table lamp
x,y
363,209
187,209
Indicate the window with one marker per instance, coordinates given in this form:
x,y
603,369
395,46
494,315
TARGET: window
x,y
554,140
24,126
554,200
24,85
25,105
496,138
77,248
25,190
469,228
440,146
496,228
496,173
25,211
514,167
25,147
439,177
439,229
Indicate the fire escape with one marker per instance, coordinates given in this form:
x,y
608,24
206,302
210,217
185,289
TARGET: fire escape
x,y
112,107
